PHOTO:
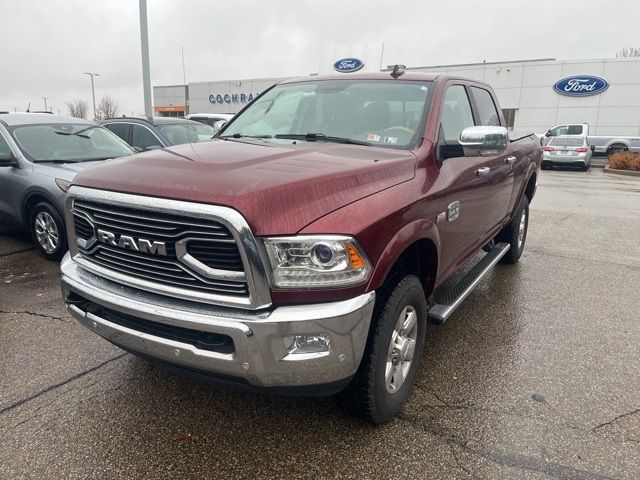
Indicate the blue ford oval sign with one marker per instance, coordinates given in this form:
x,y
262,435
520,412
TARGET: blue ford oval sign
x,y
348,65
581,85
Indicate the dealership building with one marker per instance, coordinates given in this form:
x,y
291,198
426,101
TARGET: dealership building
x,y
603,92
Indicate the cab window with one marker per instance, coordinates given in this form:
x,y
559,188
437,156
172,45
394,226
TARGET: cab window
x,y
565,130
456,113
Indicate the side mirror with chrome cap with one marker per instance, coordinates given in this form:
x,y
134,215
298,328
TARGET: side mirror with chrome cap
x,y
484,140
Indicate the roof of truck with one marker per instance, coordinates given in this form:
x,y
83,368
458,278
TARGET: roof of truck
x,y
429,77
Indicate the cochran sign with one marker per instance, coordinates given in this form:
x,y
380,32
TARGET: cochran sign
x,y
231,97
347,65
581,85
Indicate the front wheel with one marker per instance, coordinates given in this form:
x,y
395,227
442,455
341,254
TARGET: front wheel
x,y
515,233
387,372
47,231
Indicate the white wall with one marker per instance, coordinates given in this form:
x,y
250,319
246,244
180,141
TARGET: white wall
x,y
524,85
528,87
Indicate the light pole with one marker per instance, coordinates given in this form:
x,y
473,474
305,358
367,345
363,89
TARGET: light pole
x,y
45,103
144,44
93,91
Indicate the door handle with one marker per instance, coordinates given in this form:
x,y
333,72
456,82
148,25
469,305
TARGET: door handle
x,y
483,172
510,160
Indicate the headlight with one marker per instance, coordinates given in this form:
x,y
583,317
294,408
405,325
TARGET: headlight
x,y
317,261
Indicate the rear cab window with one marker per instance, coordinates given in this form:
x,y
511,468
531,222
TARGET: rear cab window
x,y
487,111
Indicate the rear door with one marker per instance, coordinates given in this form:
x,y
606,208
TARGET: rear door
x,y
501,177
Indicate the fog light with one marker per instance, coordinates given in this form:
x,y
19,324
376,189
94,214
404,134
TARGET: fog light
x,y
305,347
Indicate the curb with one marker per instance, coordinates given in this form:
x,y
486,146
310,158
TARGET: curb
x,y
630,173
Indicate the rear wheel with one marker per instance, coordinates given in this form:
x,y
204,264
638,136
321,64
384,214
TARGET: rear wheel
x,y
387,372
47,231
515,233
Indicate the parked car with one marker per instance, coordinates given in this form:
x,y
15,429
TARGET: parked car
x,y
567,152
39,156
299,251
159,132
602,144
211,119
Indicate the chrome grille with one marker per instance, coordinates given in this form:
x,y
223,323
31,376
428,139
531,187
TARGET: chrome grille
x,y
209,242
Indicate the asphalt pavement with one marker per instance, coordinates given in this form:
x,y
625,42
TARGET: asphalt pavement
x,y
536,376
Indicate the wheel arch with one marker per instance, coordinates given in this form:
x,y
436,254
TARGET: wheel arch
x,y
530,187
617,143
413,250
34,196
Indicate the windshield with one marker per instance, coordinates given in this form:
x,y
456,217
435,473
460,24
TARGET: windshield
x,y
567,141
381,113
69,142
193,132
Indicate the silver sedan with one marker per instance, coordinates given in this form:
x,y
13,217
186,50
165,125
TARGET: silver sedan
x,y
567,151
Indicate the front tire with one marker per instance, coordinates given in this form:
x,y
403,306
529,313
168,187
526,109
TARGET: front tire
x,y
387,372
47,231
515,233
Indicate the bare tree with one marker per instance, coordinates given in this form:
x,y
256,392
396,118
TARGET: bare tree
x,y
628,52
107,108
78,108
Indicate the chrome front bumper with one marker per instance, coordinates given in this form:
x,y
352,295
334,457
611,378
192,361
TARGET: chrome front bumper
x,y
260,356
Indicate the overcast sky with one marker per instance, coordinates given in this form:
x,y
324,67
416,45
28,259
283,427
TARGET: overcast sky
x,y
48,44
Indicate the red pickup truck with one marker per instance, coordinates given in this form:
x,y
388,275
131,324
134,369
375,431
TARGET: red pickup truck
x,y
301,250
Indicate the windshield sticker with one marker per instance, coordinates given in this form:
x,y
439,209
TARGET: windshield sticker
x,y
372,137
390,140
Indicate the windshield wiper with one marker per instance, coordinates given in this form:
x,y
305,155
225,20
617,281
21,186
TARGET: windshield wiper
x,y
312,137
59,160
242,135
78,133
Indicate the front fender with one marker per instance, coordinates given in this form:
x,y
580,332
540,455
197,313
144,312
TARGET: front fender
x,y
420,229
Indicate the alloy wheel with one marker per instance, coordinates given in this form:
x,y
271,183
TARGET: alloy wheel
x,y
401,349
46,232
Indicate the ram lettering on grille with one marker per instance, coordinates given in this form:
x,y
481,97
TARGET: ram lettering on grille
x,y
137,244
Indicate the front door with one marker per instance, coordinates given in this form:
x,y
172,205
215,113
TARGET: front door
x,y
500,177
461,224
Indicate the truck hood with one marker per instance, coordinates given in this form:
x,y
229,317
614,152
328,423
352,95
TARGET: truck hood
x,y
279,187
65,171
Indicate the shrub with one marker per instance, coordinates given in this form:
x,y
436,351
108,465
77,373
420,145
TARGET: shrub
x,y
625,161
